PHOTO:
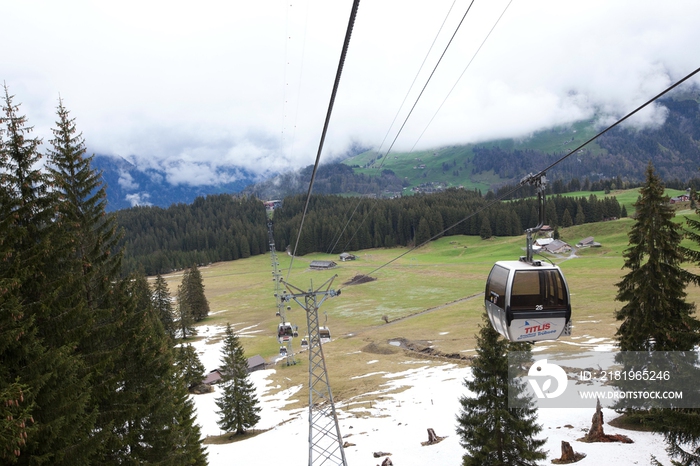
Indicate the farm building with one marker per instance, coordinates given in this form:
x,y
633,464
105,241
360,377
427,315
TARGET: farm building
x,y
212,377
322,265
588,242
557,247
541,242
347,257
546,230
681,198
256,363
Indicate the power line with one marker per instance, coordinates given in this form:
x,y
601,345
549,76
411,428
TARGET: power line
x,y
398,111
417,74
346,44
460,76
410,112
426,83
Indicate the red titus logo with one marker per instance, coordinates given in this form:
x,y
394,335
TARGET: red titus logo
x,y
536,328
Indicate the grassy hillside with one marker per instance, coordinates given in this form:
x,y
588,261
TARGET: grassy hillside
x,y
407,165
433,297
626,197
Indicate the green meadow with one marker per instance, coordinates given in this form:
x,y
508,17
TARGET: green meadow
x,y
431,297
627,197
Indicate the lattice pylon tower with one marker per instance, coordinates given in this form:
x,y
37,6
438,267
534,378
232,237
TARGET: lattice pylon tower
x,y
325,441
277,278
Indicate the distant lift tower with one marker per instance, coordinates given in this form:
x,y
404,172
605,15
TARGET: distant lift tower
x,y
325,442
285,331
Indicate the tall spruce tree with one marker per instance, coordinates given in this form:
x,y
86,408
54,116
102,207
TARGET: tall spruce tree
x,y
681,427
238,405
655,315
185,320
18,340
90,264
164,307
57,382
196,300
490,431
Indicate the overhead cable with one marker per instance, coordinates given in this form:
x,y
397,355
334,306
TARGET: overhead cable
x,y
339,72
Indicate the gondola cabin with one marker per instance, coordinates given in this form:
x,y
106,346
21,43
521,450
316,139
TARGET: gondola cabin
x,y
324,334
528,302
285,332
305,343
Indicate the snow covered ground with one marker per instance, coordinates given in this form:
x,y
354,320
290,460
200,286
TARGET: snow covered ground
x,y
398,424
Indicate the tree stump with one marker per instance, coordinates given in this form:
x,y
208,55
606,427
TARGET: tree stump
x,y
596,432
568,455
433,438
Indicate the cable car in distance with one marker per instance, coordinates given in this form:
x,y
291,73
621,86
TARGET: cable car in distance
x,y
305,343
528,301
285,332
324,334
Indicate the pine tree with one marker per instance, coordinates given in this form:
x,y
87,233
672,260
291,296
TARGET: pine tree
x,y
153,419
195,300
580,216
18,340
566,220
655,315
189,365
491,432
485,230
88,267
423,232
164,307
238,405
185,322
56,379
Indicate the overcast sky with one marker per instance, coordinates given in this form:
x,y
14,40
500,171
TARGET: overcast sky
x,y
192,86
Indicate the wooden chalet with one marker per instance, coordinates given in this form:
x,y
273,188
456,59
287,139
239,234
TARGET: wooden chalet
x,y
346,256
322,265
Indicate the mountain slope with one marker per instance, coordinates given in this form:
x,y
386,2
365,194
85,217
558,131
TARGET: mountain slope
x,y
674,149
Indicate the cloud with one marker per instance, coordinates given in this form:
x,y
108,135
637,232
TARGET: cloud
x,y
247,84
126,181
138,199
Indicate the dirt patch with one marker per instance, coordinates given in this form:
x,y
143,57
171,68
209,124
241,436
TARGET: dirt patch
x,y
359,279
426,350
374,348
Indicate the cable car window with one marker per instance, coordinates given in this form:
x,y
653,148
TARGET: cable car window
x,y
543,288
525,291
496,286
554,292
